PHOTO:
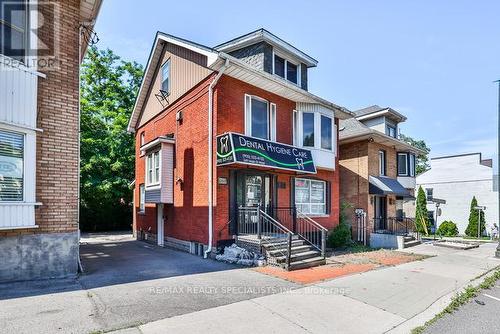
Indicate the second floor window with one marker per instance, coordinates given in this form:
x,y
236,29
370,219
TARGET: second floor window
x,y
165,77
381,163
326,133
260,118
308,129
390,131
11,166
402,164
13,29
142,198
153,168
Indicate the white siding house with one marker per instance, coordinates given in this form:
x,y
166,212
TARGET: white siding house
x,y
457,179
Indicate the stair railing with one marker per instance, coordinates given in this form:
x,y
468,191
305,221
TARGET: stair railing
x,y
311,231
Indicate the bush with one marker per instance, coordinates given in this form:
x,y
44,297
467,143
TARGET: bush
x,y
447,229
341,234
472,228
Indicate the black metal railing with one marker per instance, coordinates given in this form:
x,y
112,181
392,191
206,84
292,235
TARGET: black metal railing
x,y
395,225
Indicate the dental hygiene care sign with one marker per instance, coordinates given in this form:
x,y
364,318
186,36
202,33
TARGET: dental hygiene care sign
x,y
236,148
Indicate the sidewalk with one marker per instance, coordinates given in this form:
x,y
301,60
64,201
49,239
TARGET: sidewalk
x,y
394,300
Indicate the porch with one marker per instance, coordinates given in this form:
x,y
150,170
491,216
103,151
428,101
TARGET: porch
x,y
393,233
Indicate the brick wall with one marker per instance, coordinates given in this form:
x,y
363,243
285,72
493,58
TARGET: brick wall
x,y
57,145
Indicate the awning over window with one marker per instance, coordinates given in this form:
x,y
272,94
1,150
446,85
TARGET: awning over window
x,y
386,186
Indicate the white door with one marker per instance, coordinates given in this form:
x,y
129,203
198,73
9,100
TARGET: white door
x,y
161,227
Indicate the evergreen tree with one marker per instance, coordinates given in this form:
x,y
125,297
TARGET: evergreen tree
x,y
471,230
421,214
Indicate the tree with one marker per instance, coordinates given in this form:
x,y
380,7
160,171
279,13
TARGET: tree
x,y
421,214
108,89
471,229
422,159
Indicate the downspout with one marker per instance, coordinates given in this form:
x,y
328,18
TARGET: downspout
x,y
210,157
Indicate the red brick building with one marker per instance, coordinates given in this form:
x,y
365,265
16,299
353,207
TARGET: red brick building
x,y
39,135
250,94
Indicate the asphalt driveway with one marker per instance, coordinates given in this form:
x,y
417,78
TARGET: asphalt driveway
x,y
126,283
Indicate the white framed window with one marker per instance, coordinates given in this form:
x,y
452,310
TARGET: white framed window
x,y
327,127
381,163
308,129
165,77
260,118
14,29
295,127
286,69
390,130
11,166
142,138
412,164
153,168
142,198
311,196
402,164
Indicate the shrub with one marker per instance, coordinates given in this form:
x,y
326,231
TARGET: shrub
x,y
472,228
421,214
447,229
341,234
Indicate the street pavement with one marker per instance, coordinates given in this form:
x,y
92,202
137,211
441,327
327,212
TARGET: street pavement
x,y
134,287
480,315
391,300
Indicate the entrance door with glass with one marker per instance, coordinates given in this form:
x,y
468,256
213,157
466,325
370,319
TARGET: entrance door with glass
x,y
380,213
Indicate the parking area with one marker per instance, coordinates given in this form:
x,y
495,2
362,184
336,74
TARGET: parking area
x,y
126,283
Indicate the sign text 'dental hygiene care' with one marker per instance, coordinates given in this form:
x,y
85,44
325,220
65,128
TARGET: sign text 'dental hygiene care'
x,y
236,148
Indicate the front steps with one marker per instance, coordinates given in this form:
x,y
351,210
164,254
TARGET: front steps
x,y
410,241
302,255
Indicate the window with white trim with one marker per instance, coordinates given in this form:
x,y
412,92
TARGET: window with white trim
x,y
412,164
286,69
402,164
14,29
143,135
308,129
142,198
260,118
153,168
165,77
326,133
390,130
11,166
310,196
381,163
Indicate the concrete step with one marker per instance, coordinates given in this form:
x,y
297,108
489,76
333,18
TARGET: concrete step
x,y
308,263
281,244
281,250
412,243
298,256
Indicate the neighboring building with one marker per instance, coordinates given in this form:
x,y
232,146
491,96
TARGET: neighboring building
x,y
377,170
276,142
40,55
456,179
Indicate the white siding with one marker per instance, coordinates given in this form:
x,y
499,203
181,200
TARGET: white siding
x,y
457,179
18,94
167,173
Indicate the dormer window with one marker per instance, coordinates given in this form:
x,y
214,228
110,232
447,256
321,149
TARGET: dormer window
x,y
390,130
286,69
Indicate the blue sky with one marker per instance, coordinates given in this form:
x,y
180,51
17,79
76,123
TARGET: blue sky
x,y
434,61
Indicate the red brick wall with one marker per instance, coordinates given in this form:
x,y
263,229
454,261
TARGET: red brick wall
x,y
187,219
57,145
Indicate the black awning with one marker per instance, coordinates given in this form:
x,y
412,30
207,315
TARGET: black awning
x,y
380,185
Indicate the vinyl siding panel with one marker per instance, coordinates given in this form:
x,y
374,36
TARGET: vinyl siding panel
x,y
187,69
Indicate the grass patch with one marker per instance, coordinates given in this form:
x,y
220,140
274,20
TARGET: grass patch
x,y
461,299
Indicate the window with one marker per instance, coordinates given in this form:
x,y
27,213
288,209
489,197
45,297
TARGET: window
x,y
308,129
153,168
142,139
326,133
279,66
142,198
430,194
286,69
381,163
260,122
390,130
310,196
165,77
402,164
412,164
13,29
11,166
291,72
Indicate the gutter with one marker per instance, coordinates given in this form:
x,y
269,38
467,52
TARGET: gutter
x,y
210,156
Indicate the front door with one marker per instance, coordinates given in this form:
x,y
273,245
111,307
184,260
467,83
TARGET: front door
x,y
380,208
256,191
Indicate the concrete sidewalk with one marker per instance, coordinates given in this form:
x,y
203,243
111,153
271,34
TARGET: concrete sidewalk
x,y
394,300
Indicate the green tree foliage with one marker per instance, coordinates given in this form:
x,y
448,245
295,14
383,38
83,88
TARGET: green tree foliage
x,y
471,229
341,234
108,89
447,229
422,159
421,214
